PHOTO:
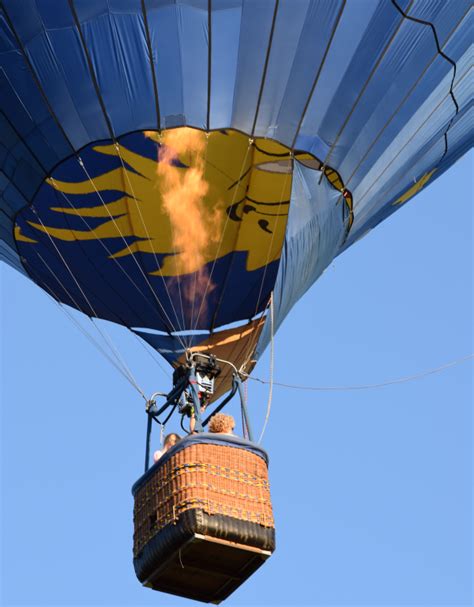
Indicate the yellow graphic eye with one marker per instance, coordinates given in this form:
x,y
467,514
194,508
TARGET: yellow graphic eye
x,y
277,166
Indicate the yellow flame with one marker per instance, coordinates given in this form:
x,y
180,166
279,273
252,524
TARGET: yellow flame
x,y
195,229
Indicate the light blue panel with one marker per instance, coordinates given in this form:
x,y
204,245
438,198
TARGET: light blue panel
x,y
394,95
194,35
408,74
254,39
319,23
443,15
397,168
315,233
13,199
179,39
45,49
361,36
400,70
164,34
369,150
20,94
226,29
289,27
117,47
8,255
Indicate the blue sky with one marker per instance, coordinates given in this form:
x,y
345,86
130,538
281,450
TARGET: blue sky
x,y
371,489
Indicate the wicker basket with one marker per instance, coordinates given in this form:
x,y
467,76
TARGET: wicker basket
x,y
203,517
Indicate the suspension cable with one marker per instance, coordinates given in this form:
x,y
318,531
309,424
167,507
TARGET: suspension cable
x,y
81,163
127,275
89,336
391,382
102,243
221,240
272,361
105,336
117,147
292,161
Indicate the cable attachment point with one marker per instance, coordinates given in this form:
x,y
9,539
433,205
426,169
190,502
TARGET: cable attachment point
x,y
199,374
151,407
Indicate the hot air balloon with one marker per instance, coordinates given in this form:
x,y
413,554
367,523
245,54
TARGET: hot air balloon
x,y
188,169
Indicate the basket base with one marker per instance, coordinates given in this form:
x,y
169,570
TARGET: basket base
x,y
206,569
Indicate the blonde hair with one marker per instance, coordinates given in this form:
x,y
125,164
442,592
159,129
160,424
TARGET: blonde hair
x,y
221,423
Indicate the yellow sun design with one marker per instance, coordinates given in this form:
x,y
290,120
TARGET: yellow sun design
x,y
248,182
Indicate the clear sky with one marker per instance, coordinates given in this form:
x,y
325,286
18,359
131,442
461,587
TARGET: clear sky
x,y
371,488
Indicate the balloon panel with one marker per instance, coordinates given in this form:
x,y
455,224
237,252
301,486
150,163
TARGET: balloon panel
x,y
361,105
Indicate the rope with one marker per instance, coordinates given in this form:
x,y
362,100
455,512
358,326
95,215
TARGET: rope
x,y
84,331
221,240
125,172
390,382
171,325
270,246
272,361
109,252
105,336
104,246
393,159
190,338
395,113
363,89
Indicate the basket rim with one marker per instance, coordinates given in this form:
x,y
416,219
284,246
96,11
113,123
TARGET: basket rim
x,y
208,438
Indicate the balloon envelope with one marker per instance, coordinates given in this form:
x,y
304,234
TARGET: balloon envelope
x,y
169,165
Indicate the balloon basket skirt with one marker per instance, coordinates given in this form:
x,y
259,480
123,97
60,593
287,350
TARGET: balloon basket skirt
x,y
203,518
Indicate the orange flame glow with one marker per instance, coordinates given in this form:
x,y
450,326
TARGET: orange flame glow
x,y
195,227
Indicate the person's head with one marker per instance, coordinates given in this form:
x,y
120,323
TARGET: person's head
x,y
170,441
221,423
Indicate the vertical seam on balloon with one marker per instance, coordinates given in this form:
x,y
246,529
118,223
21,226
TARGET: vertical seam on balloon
x,y
318,73
409,93
86,299
102,277
109,252
48,106
114,140
10,217
117,147
35,77
209,62
152,64
363,89
236,240
220,241
157,299
409,140
17,189
265,67
255,339
23,140
89,336
273,233
91,68
206,157
448,59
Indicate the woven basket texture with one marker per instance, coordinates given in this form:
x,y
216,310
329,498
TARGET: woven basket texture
x,y
217,479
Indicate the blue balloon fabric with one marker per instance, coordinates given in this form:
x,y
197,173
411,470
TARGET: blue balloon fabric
x,y
312,122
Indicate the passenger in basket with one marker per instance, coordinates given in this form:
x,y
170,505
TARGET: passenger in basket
x,y
170,441
220,423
